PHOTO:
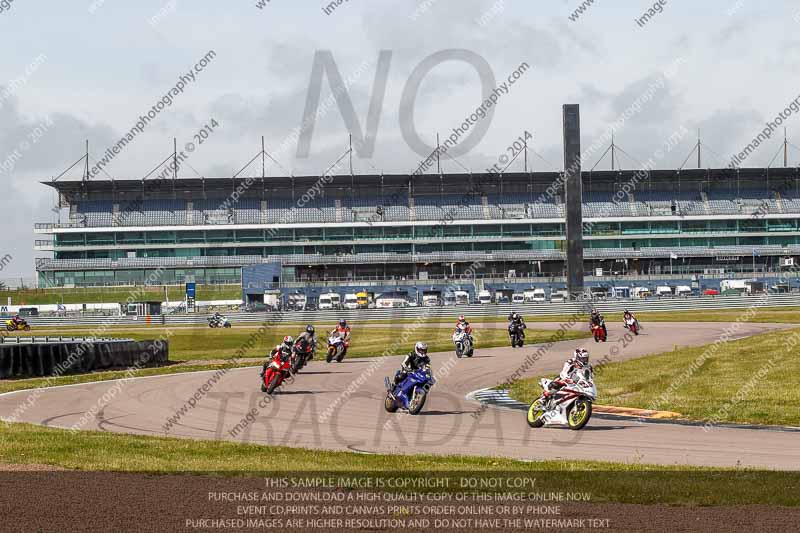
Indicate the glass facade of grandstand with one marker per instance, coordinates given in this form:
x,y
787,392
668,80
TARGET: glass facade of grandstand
x,y
431,227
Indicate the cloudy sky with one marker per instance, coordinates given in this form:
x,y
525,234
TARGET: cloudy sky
x,y
71,71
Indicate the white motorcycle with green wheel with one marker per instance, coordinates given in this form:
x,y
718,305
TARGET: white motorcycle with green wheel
x,y
463,343
569,406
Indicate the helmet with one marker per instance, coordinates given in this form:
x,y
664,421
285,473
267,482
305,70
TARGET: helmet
x,y
310,329
626,312
514,316
462,318
343,323
288,341
594,312
421,348
582,356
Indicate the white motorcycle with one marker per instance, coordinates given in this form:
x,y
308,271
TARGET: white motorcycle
x,y
570,406
463,343
337,349
218,322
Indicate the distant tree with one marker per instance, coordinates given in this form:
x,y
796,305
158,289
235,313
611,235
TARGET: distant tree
x,y
3,286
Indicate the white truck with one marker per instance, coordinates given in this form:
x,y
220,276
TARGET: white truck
x,y
539,296
683,290
663,291
558,296
528,295
484,297
350,301
462,297
326,301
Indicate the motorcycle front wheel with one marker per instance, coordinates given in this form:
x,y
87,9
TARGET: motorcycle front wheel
x,y
579,414
536,413
416,403
329,357
389,404
273,384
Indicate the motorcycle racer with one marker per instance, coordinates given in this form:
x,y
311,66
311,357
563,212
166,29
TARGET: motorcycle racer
x,y
307,340
284,349
578,361
598,320
464,325
17,320
413,361
626,316
343,330
515,319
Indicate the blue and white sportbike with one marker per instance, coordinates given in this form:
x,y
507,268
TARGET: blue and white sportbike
x,y
409,394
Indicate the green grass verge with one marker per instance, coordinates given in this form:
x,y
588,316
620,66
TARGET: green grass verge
x,y
115,294
752,380
607,482
204,343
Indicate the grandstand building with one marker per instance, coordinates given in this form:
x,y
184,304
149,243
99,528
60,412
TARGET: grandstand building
x,y
426,227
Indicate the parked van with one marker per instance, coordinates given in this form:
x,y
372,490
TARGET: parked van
x,y
518,299
528,295
641,292
484,297
325,302
462,297
558,296
539,296
663,290
683,290
350,301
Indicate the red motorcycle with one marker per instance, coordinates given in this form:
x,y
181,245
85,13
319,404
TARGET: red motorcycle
x,y
632,325
599,332
278,370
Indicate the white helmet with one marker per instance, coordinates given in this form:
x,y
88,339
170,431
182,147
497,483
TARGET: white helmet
x,y
582,356
421,349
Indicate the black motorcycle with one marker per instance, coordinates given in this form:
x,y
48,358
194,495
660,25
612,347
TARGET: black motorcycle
x,y
517,335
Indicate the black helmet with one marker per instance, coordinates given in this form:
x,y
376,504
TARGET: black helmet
x,y
594,312
310,329
343,323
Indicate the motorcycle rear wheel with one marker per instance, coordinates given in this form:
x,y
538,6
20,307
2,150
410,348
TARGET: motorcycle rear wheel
x,y
579,414
536,413
417,402
27,327
340,357
389,404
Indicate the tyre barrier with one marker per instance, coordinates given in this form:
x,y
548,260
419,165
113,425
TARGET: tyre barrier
x,y
40,359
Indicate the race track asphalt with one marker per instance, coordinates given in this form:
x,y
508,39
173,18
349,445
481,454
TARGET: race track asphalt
x,y
340,407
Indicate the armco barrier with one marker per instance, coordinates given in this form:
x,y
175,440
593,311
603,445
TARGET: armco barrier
x,y
32,359
444,313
